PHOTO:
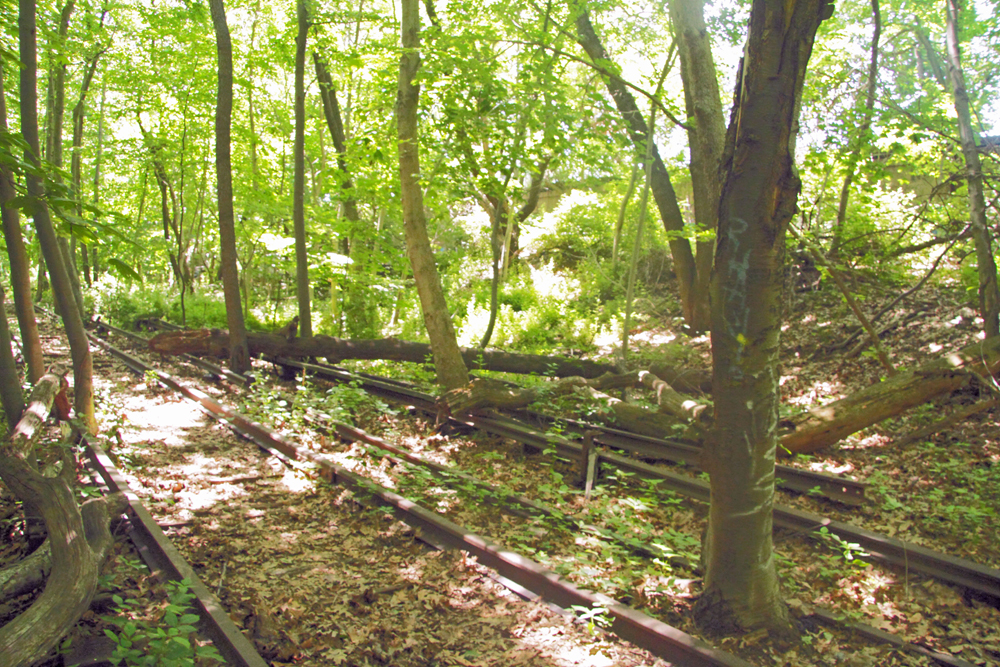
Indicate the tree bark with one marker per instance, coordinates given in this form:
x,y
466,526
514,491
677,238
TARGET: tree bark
x,y
299,178
989,296
83,367
662,188
239,356
706,137
20,266
758,201
79,537
216,343
448,362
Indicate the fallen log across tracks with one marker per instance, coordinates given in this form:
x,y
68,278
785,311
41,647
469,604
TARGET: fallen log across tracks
x,y
655,636
909,556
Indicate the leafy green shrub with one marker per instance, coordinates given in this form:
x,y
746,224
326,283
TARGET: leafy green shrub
x,y
121,303
165,643
207,310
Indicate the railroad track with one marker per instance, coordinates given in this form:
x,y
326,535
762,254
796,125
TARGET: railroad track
x,y
627,623
906,555
655,636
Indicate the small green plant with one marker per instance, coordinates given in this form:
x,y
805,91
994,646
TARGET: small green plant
x,y
164,643
595,617
851,552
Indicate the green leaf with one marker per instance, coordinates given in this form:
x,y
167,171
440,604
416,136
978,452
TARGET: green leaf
x,y
123,269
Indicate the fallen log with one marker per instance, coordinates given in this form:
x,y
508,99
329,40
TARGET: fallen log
x,y
215,343
807,431
823,426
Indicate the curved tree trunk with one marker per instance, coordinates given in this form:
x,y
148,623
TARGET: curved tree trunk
x,y
239,357
758,200
83,366
448,364
78,537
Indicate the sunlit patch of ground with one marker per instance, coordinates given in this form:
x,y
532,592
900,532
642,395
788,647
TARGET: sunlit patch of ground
x,y
818,393
870,441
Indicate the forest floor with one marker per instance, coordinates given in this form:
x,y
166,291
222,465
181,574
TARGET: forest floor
x,y
315,579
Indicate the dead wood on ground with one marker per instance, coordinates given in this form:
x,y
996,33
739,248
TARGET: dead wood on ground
x,y
215,343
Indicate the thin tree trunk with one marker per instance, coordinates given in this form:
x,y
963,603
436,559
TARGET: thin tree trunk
x,y
861,138
20,266
83,367
662,188
758,201
359,307
239,357
79,115
706,137
299,184
56,154
989,296
92,262
448,363
10,380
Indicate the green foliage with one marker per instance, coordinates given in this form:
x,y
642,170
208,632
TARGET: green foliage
x,y
166,642
122,303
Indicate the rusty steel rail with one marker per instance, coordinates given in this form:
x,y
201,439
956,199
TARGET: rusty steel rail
x,y
834,487
655,636
513,503
165,560
847,491
907,555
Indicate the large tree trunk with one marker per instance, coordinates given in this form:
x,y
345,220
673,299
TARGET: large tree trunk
x,y
989,296
79,538
299,178
20,267
758,200
83,366
215,343
662,188
239,357
448,362
706,137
